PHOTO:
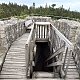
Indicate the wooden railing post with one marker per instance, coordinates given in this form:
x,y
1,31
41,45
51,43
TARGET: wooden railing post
x,y
70,54
65,57
27,57
58,40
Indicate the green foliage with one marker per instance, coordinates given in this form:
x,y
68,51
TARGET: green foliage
x,y
8,10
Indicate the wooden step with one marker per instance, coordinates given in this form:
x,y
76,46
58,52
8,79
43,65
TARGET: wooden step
x,y
72,76
14,58
74,73
12,77
13,73
71,67
43,75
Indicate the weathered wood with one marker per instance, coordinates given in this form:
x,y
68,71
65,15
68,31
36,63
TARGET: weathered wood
x,y
57,52
14,66
67,42
12,76
74,73
65,57
8,73
72,70
43,75
58,63
72,76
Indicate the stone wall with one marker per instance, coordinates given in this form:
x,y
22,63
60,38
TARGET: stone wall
x,y
72,28
10,30
69,28
63,27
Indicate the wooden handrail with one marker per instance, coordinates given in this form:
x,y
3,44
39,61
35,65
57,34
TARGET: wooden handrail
x,y
30,35
56,53
62,37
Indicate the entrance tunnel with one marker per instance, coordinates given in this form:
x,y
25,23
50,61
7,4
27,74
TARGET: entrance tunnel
x,y
42,53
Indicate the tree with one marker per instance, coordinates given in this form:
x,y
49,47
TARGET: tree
x,y
13,9
53,5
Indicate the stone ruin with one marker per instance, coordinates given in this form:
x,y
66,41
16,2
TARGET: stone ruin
x,y
69,28
10,30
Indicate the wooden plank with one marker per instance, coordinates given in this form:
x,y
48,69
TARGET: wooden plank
x,y
14,64
13,73
71,67
43,75
16,45
15,51
23,47
41,79
72,70
57,52
65,57
22,56
22,52
71,59
36,27
11,67
73,73
19,62
11,77
70,64
16,57
42,31
14,69
58,63
15,60
14,79
72,76
19,58
39,30
11,62
17,54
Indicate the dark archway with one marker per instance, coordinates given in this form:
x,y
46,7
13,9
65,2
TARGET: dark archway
x,y
42,53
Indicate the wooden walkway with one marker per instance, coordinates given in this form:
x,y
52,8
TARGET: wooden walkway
x,y
72,72
14,66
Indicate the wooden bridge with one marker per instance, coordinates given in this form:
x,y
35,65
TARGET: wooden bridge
x,y
42,53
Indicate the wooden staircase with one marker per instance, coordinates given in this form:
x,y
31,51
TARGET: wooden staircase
x,y
20,56
14,67
72,72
